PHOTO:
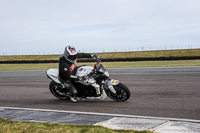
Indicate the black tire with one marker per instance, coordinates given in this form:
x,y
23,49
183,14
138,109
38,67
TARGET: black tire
x,y
53,86
122,93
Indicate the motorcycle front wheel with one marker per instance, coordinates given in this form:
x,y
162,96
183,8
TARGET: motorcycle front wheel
x,y
55,90
122,93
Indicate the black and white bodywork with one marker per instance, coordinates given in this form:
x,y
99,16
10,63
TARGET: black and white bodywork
x,y
96,84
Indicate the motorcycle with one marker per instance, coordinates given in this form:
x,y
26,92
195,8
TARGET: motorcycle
x,y
97,84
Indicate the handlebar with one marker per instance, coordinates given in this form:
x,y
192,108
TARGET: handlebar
x,y
97,59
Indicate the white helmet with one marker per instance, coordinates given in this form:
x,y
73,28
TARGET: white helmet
x,y
70,54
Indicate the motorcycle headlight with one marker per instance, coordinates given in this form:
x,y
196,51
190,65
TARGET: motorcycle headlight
x,y
107,74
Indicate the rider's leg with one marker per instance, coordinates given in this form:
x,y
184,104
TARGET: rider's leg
x,y
70,88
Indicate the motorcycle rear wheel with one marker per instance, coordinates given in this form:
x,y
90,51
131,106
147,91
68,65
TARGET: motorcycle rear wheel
x,y
122,93
54,88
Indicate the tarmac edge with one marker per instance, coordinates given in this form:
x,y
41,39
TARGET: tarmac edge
x,y
113,121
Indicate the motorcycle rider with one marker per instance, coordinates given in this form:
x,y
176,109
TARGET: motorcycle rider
x,y
68,68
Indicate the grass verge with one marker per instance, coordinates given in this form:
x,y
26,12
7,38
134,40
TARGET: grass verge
x,y
132,54
45,66
7,126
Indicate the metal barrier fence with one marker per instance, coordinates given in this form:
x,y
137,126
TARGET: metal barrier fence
x,y
105,60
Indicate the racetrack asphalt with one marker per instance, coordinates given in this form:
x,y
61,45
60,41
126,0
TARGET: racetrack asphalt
x,y
155,91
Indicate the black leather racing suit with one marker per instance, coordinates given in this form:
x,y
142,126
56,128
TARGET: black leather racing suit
x,y
67,71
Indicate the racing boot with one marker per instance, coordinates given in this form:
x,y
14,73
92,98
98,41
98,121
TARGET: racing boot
x,y
71,91
73,99
71,95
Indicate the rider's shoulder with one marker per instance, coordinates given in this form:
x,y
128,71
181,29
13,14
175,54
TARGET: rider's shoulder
x,y
62,58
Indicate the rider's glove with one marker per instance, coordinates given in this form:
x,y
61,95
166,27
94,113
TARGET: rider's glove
x,y
95,56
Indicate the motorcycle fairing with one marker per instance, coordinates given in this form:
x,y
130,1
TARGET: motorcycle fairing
x,y
111,82
54,75
84,71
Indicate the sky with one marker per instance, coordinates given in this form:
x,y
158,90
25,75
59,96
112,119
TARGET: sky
x,y
48,26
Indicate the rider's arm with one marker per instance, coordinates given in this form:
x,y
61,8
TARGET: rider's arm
x,y
87,55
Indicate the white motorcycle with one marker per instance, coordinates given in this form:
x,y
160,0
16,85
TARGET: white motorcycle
x,y
96,85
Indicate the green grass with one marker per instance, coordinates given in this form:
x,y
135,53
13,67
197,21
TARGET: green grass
x,y
161,53
46,66
7,126
134,54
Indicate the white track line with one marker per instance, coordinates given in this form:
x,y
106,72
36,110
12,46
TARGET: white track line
x,y
104,114
160,126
